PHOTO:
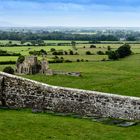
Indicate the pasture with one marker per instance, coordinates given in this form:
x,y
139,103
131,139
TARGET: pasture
x,y
117,77
24,125
81,50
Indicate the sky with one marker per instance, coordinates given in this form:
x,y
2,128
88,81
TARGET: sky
x,y
83,13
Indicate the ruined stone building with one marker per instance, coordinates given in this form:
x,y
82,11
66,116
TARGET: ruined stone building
x,y
31,65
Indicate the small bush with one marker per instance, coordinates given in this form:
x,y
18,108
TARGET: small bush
x,y
88,53
108,48
100,53
68,61
113,55
76,53
65,53
92,46
9,70
52,50
78,60
71,52
103,59
57,53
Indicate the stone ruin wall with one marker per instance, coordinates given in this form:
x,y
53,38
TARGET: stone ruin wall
x,y
17,92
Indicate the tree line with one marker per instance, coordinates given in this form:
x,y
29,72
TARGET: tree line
x,y
28,36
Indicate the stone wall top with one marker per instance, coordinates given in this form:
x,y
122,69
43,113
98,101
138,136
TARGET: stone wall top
x,y
43,85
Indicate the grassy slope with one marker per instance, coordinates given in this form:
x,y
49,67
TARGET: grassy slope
x,y
23,125
118,77
82,51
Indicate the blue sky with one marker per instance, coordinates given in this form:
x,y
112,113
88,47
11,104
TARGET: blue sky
x,y
118,13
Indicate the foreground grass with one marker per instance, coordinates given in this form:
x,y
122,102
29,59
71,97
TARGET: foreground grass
x,y
23,125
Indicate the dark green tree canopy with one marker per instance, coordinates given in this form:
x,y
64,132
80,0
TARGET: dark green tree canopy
x,y
124,50
9,70
20,59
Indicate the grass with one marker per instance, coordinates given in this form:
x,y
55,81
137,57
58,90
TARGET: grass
x,y
24,125
103,47
84,57
24,50
8,58
118,77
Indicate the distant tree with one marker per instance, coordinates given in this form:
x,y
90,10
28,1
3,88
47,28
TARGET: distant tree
x,y
108,48
65,52
52,50
54,53
9,70
42,52
113,55
131,38
22,41
71,52
56,57
88,53
73,43
100,53
121,52
92,46
76,53
124,50
20,59
10,42
78,60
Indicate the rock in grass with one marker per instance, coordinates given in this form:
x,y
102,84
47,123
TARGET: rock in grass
x,y
37,110
127,124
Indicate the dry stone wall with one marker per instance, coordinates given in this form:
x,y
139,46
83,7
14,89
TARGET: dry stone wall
x,y
17,92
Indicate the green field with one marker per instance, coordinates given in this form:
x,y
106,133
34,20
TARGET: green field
x,y
25,51
24,125
81,50
117,77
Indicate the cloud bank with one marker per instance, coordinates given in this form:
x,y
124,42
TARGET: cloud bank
x,y
71,13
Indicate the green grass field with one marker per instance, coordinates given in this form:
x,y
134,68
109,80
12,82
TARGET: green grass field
x,y
117,77
24,50
24,125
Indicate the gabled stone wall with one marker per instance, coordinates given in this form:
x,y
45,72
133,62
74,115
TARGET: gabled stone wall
x,y
19,92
